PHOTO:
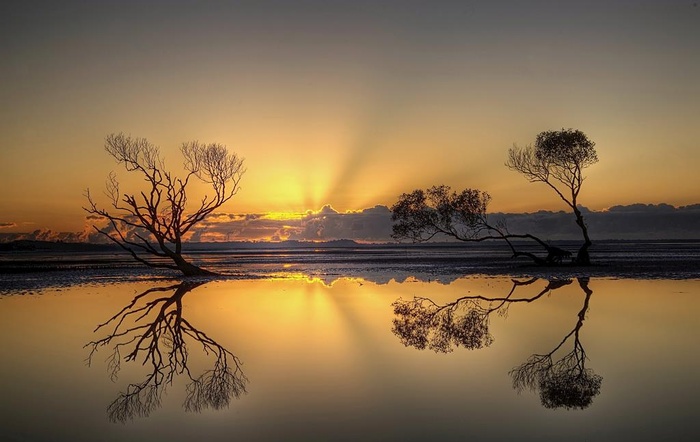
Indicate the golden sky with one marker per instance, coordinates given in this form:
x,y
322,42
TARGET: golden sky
x,y
348,104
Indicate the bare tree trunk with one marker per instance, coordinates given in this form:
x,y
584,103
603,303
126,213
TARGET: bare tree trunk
x,y
189,269
160,215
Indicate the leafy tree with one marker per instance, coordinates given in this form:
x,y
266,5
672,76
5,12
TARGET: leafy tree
x,y
152,224
558,159
421,215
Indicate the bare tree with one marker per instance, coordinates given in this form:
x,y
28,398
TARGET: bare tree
x,y
153,330
421,215
152,224
558,159
564,382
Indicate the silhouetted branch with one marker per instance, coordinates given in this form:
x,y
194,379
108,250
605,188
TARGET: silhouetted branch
x,y
155,221
420,216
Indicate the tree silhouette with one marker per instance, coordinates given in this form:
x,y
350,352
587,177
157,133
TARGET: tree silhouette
x,y
565,382
151,226
558,159
421,323
154,331
421,215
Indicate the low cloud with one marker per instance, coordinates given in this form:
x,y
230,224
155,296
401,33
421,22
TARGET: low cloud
x,y
43,235
7,225
636,221
368,225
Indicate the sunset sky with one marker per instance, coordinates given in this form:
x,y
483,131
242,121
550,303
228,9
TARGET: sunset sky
x,y
348,104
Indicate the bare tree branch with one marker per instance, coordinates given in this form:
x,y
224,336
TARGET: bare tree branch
x,y
156,221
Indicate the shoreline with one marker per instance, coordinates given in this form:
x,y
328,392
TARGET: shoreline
x,y
31,276
36,270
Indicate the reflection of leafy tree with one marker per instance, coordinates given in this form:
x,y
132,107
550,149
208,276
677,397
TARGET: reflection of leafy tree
x,y
421,323
565,382
155,332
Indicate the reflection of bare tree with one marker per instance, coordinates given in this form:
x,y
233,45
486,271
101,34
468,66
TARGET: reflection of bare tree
x,y
421,323
565,382
155,332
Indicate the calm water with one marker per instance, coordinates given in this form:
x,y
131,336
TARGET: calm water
x,y
296,358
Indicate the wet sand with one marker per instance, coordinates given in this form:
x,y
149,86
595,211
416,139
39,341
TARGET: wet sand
x,y
32,271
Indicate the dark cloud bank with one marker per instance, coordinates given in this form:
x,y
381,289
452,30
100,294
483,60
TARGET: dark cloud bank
x,y
636,221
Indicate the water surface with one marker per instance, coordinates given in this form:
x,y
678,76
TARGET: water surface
x,y
297,358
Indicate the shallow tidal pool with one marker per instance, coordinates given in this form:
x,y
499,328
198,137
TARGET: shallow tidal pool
x,y
296,358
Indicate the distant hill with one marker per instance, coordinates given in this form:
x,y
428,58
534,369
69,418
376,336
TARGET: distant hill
x,y
62,246
289,244
334,229
55,246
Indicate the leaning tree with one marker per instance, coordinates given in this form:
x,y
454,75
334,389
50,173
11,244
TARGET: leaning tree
x,y
421,215
558,159
152,224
